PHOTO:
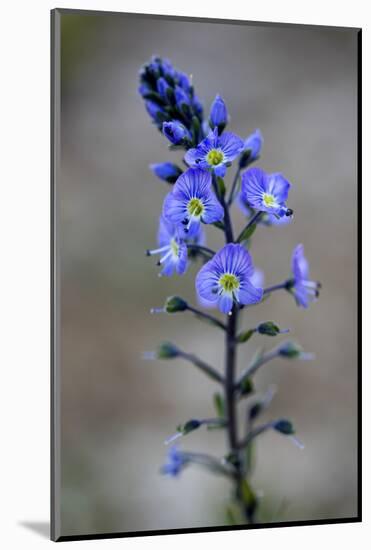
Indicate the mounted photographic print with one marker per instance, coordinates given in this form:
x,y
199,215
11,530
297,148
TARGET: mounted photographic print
x,y
205,226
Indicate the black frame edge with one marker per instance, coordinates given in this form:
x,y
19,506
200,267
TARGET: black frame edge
x,y
55,526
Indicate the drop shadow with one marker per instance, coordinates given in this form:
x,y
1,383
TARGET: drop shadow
x,y
42,528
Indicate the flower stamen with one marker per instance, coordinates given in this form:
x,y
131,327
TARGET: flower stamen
x,y
215,157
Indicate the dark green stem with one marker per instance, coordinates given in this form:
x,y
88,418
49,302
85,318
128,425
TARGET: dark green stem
x,y
285,285
207,369
251,369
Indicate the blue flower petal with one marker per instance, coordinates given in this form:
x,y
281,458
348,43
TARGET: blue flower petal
x,y
218,112
220,170
249,294
279,187
254,143
231,145
214,212
225,303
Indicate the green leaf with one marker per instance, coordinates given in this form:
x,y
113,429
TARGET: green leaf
x,y
245,336
219,405
247,233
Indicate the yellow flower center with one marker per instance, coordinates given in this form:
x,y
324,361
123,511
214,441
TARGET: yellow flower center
x,y
229,282
269,200
214,157
195,207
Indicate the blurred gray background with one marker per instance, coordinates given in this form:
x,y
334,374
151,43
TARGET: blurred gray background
x,y
298,86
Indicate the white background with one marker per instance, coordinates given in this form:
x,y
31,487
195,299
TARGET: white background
x,y
24,218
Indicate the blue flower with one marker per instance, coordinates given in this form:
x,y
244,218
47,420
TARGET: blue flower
x,y
214,152
155,112
181,97
171,98
218,114
163,87
172,247
251,148
265,192
175,132
184,82
267,219
166,171
175,462
192,201
304,290
226,279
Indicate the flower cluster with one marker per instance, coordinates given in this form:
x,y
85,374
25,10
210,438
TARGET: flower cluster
x,y
227,279
171,102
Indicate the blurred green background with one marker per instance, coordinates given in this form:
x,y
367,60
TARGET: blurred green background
x,y
298,85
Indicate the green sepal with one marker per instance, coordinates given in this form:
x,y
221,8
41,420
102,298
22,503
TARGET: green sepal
x,y
155,97
174,304
170,95
284,426
189,426
268,328
246,387
255,410
290,350
167,350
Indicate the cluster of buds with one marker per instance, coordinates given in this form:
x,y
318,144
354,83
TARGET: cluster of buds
x,y
171,102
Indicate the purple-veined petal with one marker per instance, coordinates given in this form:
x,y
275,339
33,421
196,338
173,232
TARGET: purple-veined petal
x,y
225,303
214,211
249,294
174,208
231,145
279,187
253,186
